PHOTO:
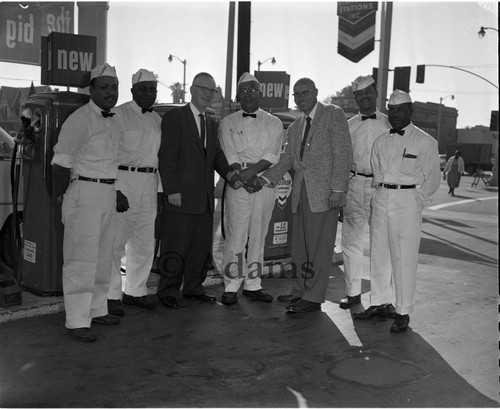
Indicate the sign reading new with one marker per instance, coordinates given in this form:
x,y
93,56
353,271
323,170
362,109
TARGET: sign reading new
x,y
67,59
22,25
356,29
275,88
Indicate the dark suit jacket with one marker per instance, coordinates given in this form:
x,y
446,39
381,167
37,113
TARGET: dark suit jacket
x,y
184,165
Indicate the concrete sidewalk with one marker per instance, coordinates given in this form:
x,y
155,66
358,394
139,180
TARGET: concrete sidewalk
x,y
254,355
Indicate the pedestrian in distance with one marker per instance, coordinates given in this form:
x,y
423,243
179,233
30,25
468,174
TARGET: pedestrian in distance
x,y
405,164
319,150
189,153
251,139
453,171
364,127
85,172
137,189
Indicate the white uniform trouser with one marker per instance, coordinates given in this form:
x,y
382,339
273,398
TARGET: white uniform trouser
x,y
356,220
88,215
247,219
135,234
395,236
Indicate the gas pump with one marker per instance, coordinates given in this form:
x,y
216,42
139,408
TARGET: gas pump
x,y
41,264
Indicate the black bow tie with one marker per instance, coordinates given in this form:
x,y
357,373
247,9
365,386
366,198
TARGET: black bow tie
x,y
106,114
252,115
144,110
401,131
364,118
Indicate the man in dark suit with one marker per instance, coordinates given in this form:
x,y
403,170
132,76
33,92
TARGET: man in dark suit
x,y
189,153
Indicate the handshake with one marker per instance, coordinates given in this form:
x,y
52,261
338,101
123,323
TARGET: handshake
x,y
251,183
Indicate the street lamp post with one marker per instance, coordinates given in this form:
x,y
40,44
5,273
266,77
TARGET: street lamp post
x,y
273,61
184,62
481,33
438,133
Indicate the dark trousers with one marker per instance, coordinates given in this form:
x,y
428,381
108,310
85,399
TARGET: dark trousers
x,y
186,243
313,240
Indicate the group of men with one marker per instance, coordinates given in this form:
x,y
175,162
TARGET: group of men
x,y
110,163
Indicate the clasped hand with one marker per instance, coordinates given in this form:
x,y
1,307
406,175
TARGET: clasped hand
x,y
251,183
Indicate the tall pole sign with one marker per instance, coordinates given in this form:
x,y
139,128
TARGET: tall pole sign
x,y
22,25
356,29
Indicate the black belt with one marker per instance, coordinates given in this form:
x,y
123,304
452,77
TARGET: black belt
x,y
362,174
389,186
107,181
132,169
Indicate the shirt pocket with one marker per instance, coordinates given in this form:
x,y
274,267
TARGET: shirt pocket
x,y
408,164
131,140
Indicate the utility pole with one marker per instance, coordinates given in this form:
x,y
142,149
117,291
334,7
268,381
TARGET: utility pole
x,y
385,47
229,61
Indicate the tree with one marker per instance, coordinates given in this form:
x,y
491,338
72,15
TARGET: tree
x,y
345,92
177,92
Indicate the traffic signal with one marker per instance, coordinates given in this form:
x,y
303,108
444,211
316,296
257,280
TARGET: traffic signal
x,y
402,78
420,74
375,74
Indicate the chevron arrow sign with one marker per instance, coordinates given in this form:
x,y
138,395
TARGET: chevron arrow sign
x,y
356,29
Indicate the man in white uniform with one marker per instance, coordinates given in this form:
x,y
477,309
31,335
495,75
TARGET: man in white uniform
x,y
405,164
251,140
85,158
364,128
137,188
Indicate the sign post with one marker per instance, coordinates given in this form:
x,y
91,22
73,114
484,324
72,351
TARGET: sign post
x,y
356,29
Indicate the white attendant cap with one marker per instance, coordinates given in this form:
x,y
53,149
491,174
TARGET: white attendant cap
x,y
143,75
104,70
362,82
247,77
399,97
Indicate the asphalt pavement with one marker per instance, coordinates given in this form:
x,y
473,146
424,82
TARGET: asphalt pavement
x,y
253,354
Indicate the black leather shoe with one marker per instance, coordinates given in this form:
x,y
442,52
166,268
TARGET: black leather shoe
x,y
288,298
391,311
141,302
170,302
201,297
114,308
400,324
348,301
106,320
82,334
379,311
229,298
258,295
303,306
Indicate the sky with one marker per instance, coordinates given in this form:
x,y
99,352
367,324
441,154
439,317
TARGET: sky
x,y
302,37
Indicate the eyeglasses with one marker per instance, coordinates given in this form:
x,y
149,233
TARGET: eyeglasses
x,y
251,91
397,110
302,94
206,90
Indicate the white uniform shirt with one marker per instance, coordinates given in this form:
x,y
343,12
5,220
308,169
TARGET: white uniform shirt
x,y
140,136
249,140
88,144
363,134
409,159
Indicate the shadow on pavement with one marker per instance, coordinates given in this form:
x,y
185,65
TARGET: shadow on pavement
x,y
209,355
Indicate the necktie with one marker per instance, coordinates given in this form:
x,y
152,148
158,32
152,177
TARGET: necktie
x,y
306,131
202,130
401,132
250,115
107,114
144,110
364,118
